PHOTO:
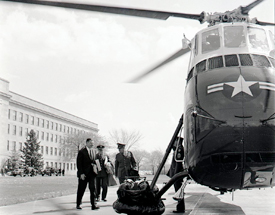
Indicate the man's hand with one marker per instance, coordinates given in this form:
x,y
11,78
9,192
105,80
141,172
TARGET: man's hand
x,y
82,177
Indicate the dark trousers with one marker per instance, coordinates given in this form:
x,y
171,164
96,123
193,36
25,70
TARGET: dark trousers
x,y
102,182
82,184
181,203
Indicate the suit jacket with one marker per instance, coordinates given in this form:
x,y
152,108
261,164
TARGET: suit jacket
x,y
84,163
124,163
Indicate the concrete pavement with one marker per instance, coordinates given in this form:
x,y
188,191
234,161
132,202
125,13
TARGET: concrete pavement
x,y
198,199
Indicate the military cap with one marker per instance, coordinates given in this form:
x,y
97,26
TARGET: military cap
x,y
100,146
121,145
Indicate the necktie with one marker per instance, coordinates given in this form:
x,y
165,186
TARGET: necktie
x,y
91,155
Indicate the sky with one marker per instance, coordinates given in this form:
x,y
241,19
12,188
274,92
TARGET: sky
x,y
80,62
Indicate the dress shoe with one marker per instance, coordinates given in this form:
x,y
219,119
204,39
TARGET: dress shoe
x,y
78,207
95,208
179,212
104,200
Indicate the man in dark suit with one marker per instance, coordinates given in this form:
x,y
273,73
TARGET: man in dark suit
x,y
124,162
85,173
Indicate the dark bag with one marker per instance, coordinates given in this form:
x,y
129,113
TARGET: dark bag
x,y
133,172
138,198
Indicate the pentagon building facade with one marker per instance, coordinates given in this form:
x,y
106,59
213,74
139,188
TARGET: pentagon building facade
x,y
19,114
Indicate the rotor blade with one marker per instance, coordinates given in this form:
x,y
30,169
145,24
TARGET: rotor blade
x,y
264,23
168,60
114,10
246,9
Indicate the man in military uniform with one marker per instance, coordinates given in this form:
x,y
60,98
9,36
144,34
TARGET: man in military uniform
x,y
102,176
124,162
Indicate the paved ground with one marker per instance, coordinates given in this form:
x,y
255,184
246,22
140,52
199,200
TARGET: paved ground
x,y
198,199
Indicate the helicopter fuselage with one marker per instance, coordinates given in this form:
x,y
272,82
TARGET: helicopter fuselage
x,y
230,107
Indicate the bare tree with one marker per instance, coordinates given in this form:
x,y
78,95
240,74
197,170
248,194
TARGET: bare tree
x,y
72,143
130,138
140,156
155,159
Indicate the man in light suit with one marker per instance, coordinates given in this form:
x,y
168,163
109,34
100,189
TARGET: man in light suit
x,y
85,173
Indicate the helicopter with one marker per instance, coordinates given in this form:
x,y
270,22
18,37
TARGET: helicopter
x,y
229,112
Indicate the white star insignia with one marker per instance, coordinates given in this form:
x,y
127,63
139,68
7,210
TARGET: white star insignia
x,y
241,85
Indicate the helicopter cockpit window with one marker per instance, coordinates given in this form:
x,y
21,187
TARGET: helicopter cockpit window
x,y
234,36
257,39
201,66
210,41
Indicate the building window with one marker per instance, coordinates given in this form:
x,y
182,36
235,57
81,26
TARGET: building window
x,y
47,150
14,115
47,136
59,152
47,164
42,123
9,114
71,166
9,128
37,121
67,166
27,119
14,130
56,126
68,130
20,146
51,150
42,135
60,127
26,132
51,164
20,117
32,120
37,134
8,145
60,139
21,131
55,164
42,149
52,125
47,124
51,137
56,138
64,128
74,166
55,151
14,145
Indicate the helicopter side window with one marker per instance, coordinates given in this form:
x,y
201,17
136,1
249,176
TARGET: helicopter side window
x,y
210,41
234,36
272,60
190,75
215,62
245,60
260,60
272,39
231,60
201,66
196,45
257,39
